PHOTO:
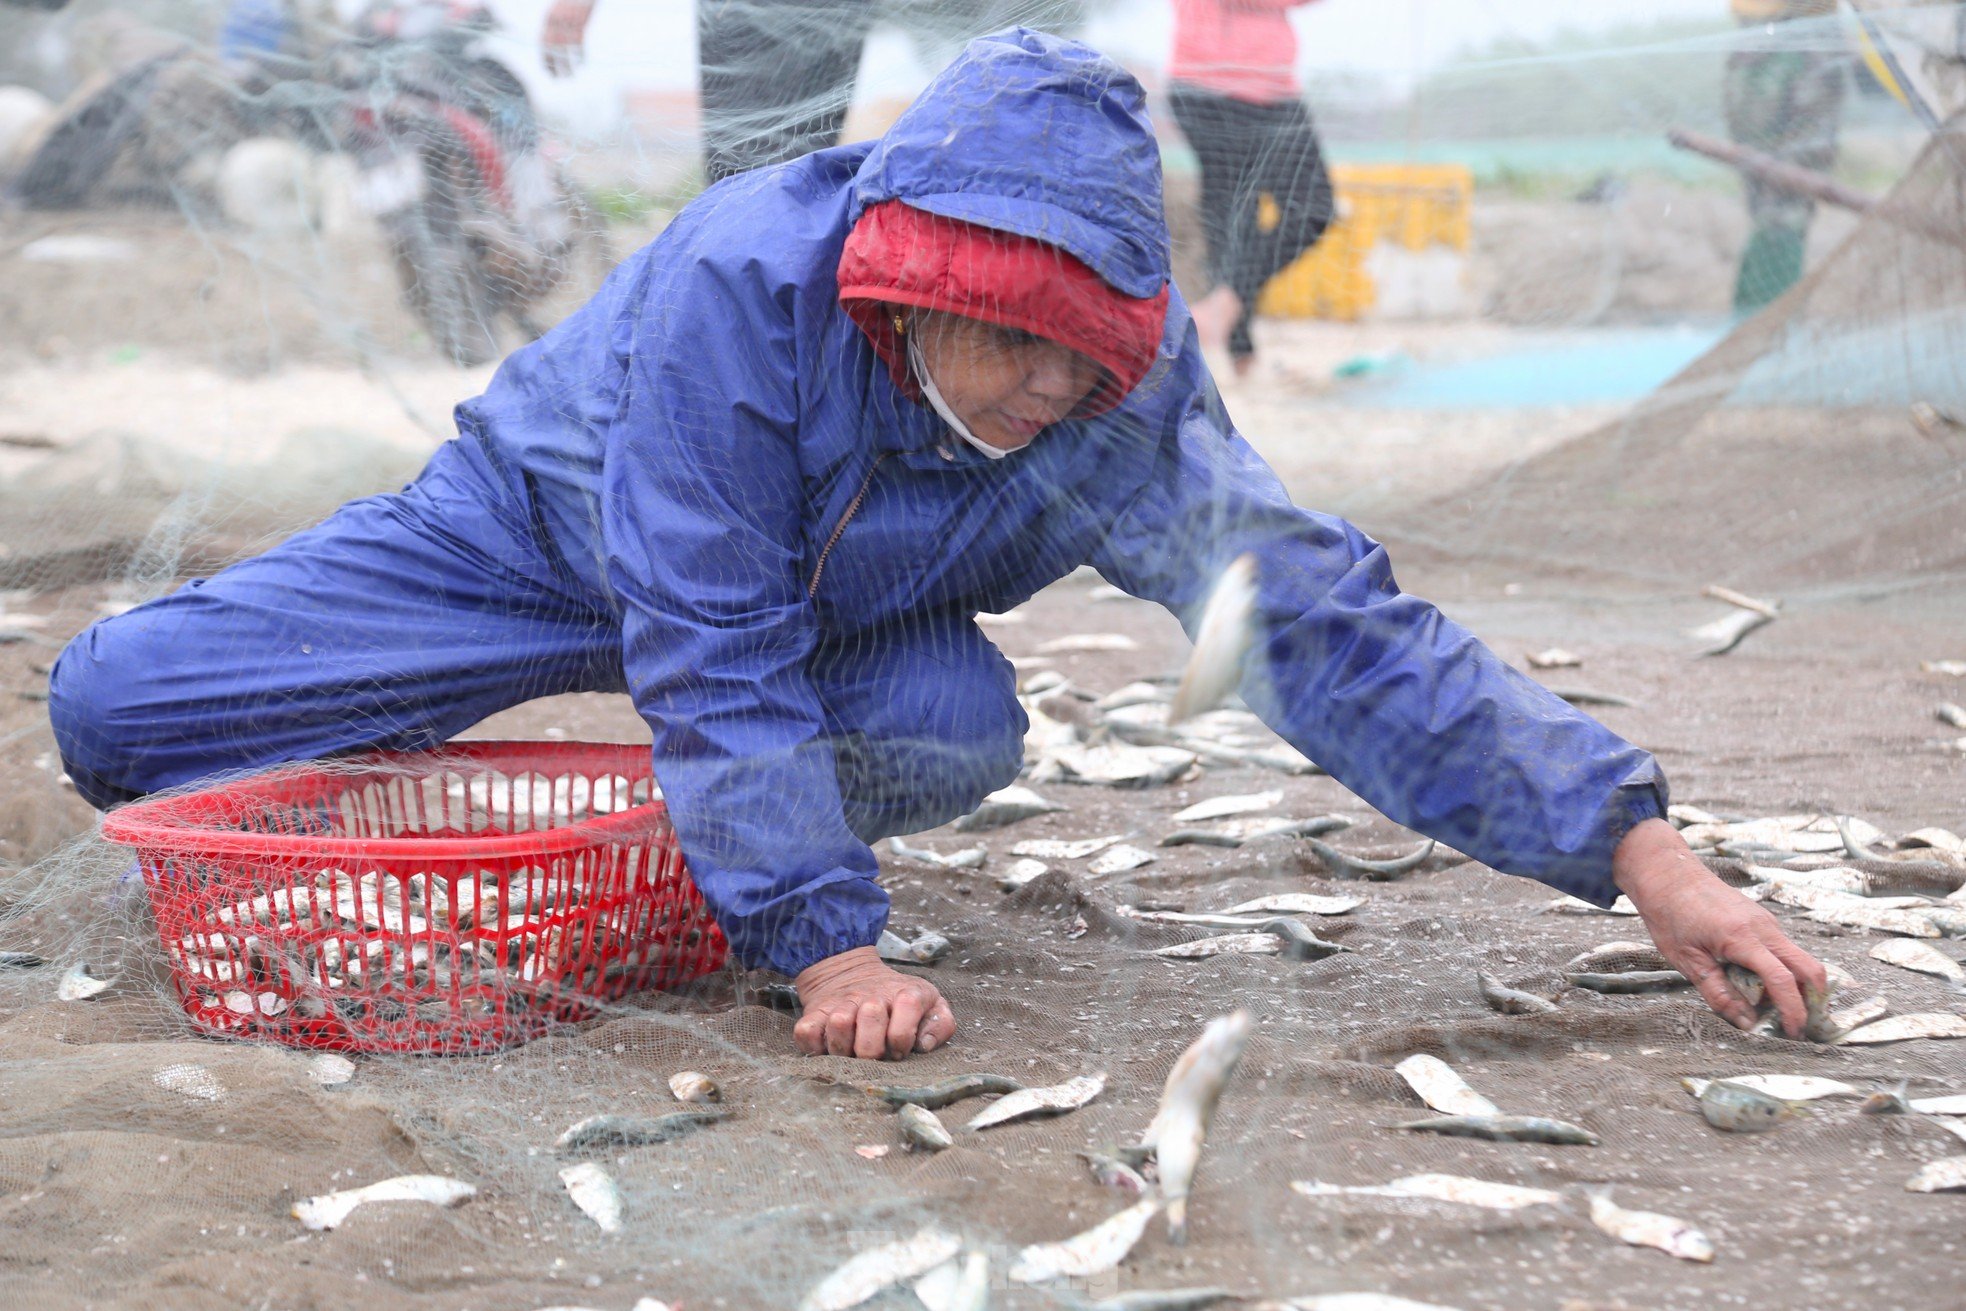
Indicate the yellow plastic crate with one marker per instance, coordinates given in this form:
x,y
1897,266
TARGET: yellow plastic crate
x,y
1410,205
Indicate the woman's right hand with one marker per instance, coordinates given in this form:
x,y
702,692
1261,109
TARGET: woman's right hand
x,y
856,1006
562,41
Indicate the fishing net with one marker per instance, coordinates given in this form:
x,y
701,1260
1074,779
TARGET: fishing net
x,y
1572,373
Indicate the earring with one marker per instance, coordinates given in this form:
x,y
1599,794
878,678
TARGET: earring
x,y
900,325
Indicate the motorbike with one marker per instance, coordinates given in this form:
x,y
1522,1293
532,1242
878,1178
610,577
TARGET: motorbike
x,y
480,218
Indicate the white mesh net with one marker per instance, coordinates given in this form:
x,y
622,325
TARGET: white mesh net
x,y
1633,333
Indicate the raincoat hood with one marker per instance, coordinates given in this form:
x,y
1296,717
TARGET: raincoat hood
x,y
1038,136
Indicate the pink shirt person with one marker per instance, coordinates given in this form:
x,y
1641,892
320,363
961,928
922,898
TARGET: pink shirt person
x,y
1240,48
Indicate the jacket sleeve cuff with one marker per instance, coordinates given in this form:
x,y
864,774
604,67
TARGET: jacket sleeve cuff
x,y
1587,875
821,921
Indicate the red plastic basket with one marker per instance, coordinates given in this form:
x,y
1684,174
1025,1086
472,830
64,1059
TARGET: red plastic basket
x,y
448,902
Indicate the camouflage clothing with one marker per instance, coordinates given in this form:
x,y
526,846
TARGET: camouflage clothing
x,y
1783,97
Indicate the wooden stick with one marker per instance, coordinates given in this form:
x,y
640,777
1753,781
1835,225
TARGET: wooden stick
x,y
1768,169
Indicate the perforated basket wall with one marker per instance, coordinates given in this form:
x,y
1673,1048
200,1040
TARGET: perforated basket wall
x,y
443,902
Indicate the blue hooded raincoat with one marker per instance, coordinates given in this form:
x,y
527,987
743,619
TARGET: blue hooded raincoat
x,y
705,488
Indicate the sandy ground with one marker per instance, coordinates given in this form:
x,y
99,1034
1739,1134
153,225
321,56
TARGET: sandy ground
x,y
116,1191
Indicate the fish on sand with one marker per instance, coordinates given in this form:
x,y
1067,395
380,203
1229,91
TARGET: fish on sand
x,y
330,1209
1028,1102
1734,1108
1187,1106
1511,1001
633,1130
1650,1229
595,1192
1506,1128
1090,1253
1436,1084
880,1268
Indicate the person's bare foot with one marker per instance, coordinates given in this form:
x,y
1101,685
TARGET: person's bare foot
x,y
1215,315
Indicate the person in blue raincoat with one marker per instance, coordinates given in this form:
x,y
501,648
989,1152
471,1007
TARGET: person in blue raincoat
x,y
764,481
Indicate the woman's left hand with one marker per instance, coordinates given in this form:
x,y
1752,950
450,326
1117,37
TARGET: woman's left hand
x,y
1701,925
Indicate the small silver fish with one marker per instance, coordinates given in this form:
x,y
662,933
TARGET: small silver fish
x,y
1435,1083
1899,1028
1119,859
1118,765
929,948
633,1130
881,1268
690,1086
1910,954
1511,1001
1736,1109
1617,958
1506,1128
1947,921
1224,807
1226,944
1650,1229
956,1285
80,985
194,1081
948,1092
967,858
1297,903
1090,1253
330,1069
20,960
1224,636
1950,1104
1441,1188
1297,942
1019,873
1109,1171
1888,1101
1636,982
1340,862
1782,1087
1028,1102
594,1191
1351,1302
1075,643
1058,849
1258,833
1945,1175
1187,1107
330,1209
1004,807
1163,1299
923,1130
1862,913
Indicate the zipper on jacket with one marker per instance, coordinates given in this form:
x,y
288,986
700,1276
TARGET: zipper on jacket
x,y
852,508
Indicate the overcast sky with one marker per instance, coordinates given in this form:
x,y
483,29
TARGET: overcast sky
x,y
652,43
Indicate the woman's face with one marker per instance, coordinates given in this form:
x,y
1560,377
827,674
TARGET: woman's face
x,y
1007,385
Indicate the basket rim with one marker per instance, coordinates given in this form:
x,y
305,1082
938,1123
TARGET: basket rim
x,y
159,824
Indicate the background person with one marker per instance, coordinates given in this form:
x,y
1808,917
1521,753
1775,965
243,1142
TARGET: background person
x,y
775,77
1265,195
1783,96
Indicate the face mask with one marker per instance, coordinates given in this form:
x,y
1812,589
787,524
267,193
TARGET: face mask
x,y
919,365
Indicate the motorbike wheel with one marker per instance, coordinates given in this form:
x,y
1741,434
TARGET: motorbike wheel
x,y
439,271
